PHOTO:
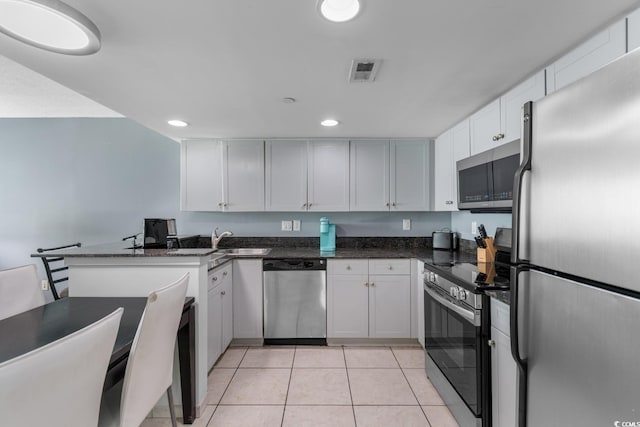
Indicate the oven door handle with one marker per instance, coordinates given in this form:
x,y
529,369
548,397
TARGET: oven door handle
x,y
468,315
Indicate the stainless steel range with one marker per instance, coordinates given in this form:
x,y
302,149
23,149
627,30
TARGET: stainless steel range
x,y
457,331
457,356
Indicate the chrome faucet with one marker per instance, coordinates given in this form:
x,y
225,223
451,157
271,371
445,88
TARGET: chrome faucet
x,y
215,238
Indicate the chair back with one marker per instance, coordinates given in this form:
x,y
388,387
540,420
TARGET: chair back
x,y
150,367
36,392
19,290
55,268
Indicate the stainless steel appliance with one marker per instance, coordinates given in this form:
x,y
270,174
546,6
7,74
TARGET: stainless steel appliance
x,y
575,290
485,180
457,330
445,240
158,231
457,358
295,301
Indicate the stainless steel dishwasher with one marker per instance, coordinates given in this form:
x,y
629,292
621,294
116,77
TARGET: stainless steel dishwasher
x,y
295,301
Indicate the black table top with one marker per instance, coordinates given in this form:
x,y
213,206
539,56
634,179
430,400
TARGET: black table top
x,y
40,326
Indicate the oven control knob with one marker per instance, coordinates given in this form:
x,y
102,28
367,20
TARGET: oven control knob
x,y
462,294
432,276
454,293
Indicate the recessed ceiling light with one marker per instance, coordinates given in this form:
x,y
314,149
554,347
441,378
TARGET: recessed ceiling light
x,y
329,122
178,123
339,10
50,25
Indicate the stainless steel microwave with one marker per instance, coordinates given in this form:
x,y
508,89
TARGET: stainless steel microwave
x,y
485,180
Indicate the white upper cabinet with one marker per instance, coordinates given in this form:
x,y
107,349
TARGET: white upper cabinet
x,y
443,195
201,175
633,31
328,176
451,146
243,175
596,52
499,122
410,175
286,175
369,176
511,104
390,175
485,128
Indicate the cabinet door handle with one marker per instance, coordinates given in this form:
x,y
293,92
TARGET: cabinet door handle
x,y
390,267
501,136
366,284
224,273
223,293
495,137
348,267
214,278
220,204
491,343
387,204
309,205
393,204
304,206
372,284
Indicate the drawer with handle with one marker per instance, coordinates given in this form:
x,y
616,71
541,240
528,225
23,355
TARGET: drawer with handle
x,y
347,266
390,266
219,276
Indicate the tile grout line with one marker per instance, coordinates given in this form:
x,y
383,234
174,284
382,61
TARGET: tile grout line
x,y
346,368
286,397
410,387
235,371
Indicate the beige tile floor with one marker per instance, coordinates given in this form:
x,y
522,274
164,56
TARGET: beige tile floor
x,y
320,386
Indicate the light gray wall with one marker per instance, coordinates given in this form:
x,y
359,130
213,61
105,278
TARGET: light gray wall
x,y
87,180
353,224
94,180
461,222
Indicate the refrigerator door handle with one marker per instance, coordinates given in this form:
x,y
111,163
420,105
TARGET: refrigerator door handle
x,y
515,345
525,165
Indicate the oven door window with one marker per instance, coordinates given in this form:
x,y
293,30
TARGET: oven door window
x,y
454,344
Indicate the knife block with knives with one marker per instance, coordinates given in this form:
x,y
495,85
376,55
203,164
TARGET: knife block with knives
x,y
486,248
488,253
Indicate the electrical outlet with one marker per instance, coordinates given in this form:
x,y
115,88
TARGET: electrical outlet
x,y
474,227
287,225
296,225
45,285
406,224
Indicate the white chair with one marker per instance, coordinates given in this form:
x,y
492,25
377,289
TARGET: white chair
x,y
36,392
149,372
19,290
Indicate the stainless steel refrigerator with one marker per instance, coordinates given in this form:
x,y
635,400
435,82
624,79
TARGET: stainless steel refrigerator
x,y
575,312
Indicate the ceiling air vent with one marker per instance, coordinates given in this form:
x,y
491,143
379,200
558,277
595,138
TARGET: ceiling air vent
x,y
364,70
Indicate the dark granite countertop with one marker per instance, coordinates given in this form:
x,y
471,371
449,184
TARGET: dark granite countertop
x,y
122,249
503,296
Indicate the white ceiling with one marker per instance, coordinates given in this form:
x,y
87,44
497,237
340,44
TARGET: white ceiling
x,y
224,65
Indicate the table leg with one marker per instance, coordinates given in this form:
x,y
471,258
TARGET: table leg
x,y
187,360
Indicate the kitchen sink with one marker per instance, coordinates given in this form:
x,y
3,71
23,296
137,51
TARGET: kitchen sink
x,y
247,251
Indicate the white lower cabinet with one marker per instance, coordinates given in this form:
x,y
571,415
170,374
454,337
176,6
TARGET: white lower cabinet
x,y
503,368
369,298
347,306
219,312
247,298
418,304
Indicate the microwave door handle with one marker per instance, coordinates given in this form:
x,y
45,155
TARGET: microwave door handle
x,y
468,315
525,165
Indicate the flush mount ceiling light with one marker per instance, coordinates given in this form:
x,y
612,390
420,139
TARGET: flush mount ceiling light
x,y
50,25
329,122
339,10
178,123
